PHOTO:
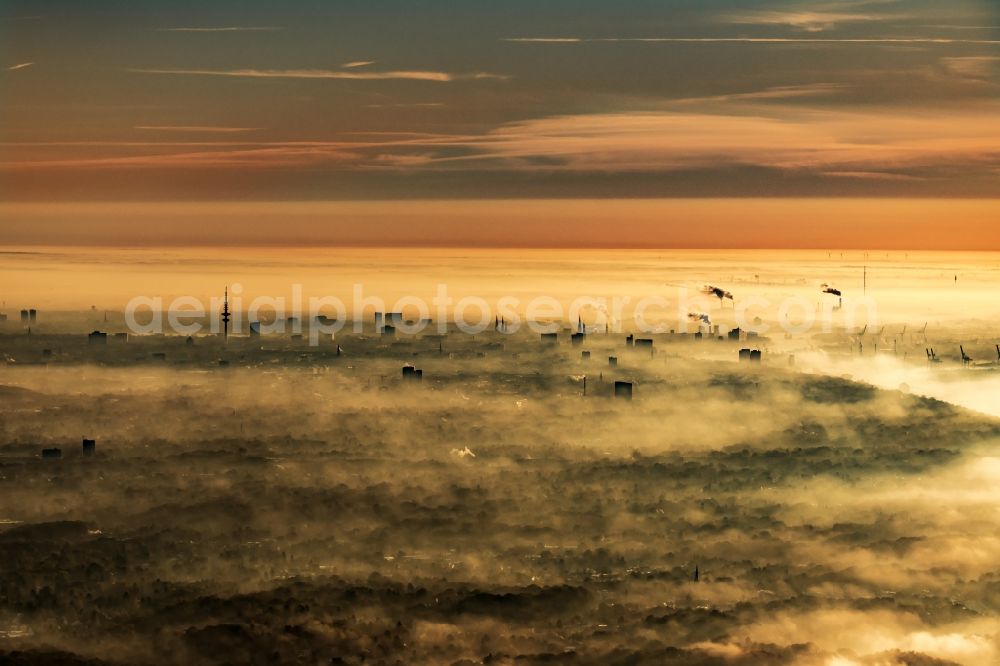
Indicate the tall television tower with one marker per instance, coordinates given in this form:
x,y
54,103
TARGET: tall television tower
x,y
225,314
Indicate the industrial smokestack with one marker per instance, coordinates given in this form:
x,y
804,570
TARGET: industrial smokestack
x,y
717,292
828,289
700,317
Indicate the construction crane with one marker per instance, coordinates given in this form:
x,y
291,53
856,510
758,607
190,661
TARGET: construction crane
x,y
861,336
878,339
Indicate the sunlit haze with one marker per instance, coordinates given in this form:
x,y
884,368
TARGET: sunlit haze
x,y
646,332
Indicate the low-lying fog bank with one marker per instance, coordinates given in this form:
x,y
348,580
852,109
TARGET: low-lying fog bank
x,y
307,511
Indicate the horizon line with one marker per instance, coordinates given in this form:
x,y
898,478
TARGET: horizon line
x,y
9,248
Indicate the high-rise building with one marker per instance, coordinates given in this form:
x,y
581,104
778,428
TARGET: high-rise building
x,y
623,390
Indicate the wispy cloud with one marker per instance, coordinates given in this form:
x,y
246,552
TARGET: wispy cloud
x,y
751,40
412,75
819,16
357,63
873,175
407,105
774,137
974,67
772,93
20,65
810,21
547,40
230,154
265,156
197,129
965,27
231,28
873,144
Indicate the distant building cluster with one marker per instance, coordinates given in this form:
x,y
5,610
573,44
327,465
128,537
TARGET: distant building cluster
x,y
88,448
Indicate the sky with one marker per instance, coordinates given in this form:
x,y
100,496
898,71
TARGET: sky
x,y
884,101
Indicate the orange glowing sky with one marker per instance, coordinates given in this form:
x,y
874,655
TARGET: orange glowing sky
x,y
736,123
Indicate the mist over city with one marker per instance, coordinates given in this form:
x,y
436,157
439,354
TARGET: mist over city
x,y
500,332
